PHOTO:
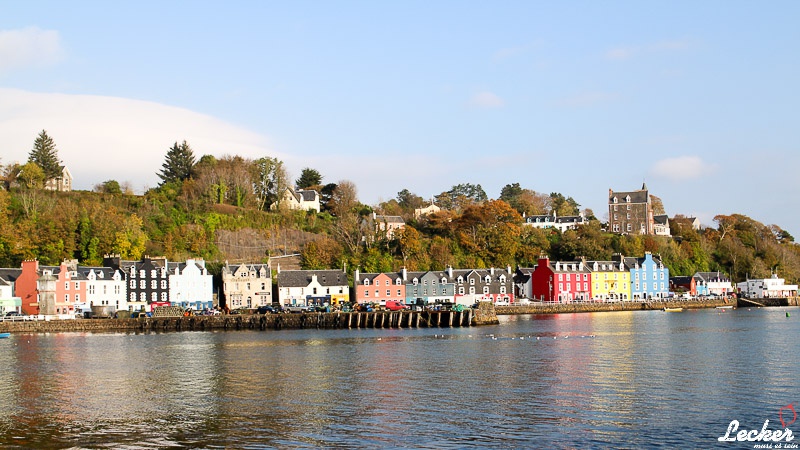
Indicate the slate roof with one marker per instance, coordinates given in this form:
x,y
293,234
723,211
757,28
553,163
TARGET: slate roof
x,y
712,276
306,195
389,219
661,219
300,278
10,275
639,196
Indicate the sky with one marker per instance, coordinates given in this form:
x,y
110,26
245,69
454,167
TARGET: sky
x,y
699,100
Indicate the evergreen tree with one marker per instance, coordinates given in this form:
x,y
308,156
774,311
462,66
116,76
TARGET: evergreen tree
x,y
179,164
308,177
45,155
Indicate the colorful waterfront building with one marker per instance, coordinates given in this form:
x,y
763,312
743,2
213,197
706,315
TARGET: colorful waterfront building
x,y
713,283
561,281
379,287
649,277
610,281
430,288
247,285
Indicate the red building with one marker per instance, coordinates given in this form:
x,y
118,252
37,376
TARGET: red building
x,y
560,281
26,287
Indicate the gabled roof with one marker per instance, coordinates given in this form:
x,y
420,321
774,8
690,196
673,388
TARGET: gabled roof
x,y
712,276
389,219
661,219
306,195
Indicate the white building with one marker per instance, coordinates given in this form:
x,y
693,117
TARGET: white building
x,y
562,224
105,286
772,287
306,200
247,285
312,287
190,285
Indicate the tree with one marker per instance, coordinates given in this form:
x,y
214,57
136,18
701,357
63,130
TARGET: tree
x,y
108,187
45,155
179,164
460,196
658,205
31,175
408,200
308,177
270,179
562,206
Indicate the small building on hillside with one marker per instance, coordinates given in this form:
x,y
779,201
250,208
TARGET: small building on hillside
x,y
430,209
562,224
62,183
302,199
630,212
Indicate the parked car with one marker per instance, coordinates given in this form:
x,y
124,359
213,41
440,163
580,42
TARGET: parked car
x,y
295,308
266,309
394,305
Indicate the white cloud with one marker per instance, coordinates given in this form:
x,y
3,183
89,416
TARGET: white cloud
x,y
682,168
29,47
486,100
103,138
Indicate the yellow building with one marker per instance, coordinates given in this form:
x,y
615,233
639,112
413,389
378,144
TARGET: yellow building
x,y
611,281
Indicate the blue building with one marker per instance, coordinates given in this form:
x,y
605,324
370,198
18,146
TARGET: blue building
x,y
649,277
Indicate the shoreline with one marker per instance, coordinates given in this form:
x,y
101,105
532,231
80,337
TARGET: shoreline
x,y
486,314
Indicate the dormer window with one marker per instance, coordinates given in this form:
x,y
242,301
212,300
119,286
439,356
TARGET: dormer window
x,y
415,281
460,280
366,282
444,280
616,200
627,198
487,279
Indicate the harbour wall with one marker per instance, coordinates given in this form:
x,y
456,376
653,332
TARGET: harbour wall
x,y
558,308
334,320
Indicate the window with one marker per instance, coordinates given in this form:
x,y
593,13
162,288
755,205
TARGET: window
x,y
472,291
163,296
377,294
644,276
163,284
142,284
154,284
388,293
636,276
153,273
154,297
629,207
485,290
628,216
133,296
502,289
142,297
141,273
460,280
569,286
560,286
615,207
263,286
629,227
585,286
366,293
77,286
399,293
116,289
66,298
461,290
472,282
66,286
637,286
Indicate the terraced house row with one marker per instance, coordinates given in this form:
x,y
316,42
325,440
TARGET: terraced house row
x,y
622,278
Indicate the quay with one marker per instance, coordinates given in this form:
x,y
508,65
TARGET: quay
x,y
483,315
635,305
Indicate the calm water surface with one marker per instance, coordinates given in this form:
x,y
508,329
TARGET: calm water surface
x,y
602,380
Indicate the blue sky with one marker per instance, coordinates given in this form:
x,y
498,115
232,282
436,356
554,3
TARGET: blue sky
x,y
697,99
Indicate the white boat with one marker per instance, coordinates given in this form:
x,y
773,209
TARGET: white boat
x,y
725,307
673,309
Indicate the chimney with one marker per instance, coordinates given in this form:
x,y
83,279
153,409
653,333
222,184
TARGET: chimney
x,y
356,276
491,271
405,274
450,271
279,268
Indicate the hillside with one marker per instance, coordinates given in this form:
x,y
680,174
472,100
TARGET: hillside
x,y
170,221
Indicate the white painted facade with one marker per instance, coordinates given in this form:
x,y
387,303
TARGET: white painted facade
x,y
102,290
772,287
190,285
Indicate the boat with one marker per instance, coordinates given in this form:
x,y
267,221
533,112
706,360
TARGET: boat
x,y
673,309
4,335
725,307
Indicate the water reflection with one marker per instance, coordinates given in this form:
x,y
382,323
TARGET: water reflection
x,y
594,380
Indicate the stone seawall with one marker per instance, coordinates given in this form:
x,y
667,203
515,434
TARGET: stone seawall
x,y
384,319
557,308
